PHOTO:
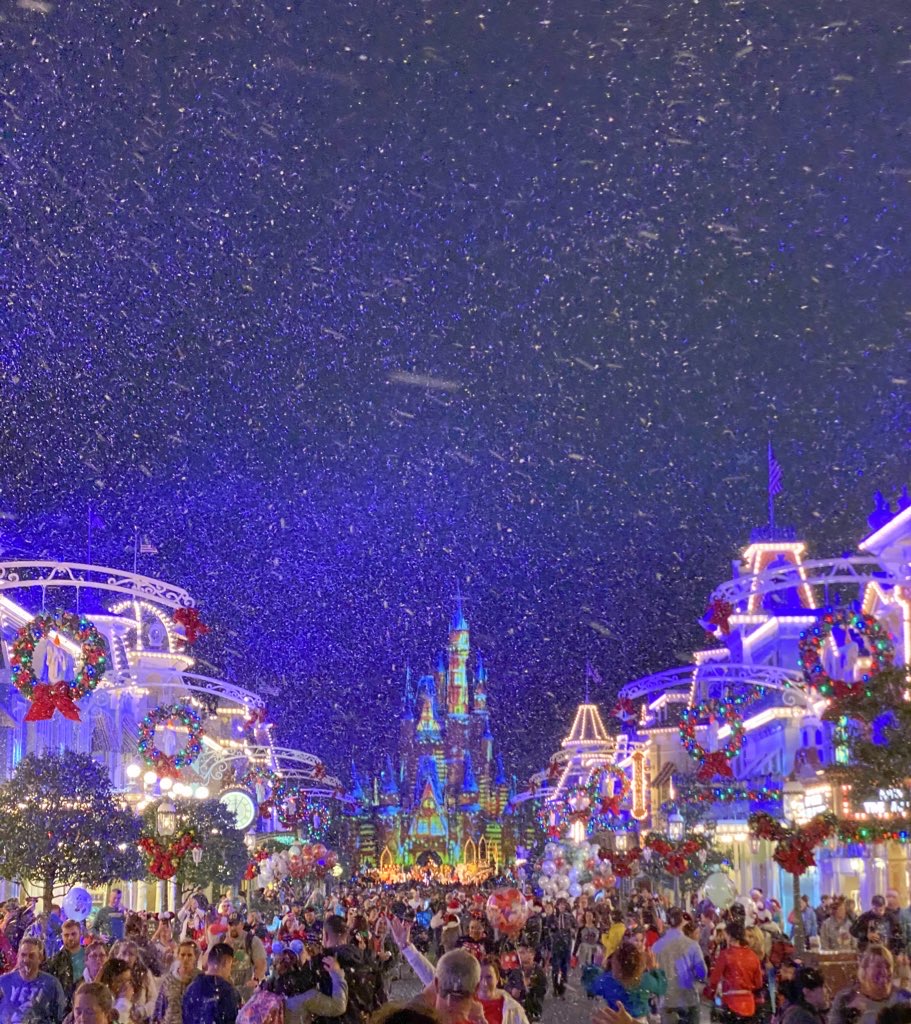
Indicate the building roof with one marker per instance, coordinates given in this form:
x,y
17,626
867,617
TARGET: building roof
x,y
588,728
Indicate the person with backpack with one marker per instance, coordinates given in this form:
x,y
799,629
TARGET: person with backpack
x,y
363,978
250,961
291,996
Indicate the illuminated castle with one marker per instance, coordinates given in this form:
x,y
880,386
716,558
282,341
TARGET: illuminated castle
x,y
443,802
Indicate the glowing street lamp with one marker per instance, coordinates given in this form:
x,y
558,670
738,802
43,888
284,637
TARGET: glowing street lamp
x,y
166,818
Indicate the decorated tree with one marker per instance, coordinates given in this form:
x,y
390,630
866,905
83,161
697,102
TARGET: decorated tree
x,y
210,826
62,825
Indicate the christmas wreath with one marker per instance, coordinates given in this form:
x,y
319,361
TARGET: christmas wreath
x,y
164,860
258,774
605,798
716,762
794,847
879,648
551,821
170,714
57,694
254,718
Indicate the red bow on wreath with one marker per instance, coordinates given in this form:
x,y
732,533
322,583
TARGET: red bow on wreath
x,y
624,708
554,832
715,763
50,697
319,772
193,625
612,804
720,612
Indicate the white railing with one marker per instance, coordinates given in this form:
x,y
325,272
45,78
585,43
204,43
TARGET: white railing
x,y
16,575
856,570
191,681
789,682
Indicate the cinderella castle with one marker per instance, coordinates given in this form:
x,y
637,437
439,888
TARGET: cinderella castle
x,y
441,804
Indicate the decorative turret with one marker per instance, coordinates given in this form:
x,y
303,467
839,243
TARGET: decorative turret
x,y
408,697
428,730
357,786
480,687
500,778
468,798
389,797
457,676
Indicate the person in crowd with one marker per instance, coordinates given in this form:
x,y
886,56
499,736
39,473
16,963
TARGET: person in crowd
x,y
736,975
93,1004
312,926
804,998
499,1006
807,919
455,985
876,927
823,910
163,942
835,933
117,976
477,941
68,965
631,979
249,955
873,991
192,917
562,928
364,982
144,983
684,967
169,1004
296,983
29,994
588,940
110,922
95,955
210,998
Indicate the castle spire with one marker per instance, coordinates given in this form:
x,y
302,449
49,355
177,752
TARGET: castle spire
x,y
408,696
480,686
390,794
357,785
459,622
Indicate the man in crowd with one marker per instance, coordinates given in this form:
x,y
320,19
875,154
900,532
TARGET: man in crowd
x,y
312,927
476,941
169,1006
28,995
562,932
211,998
455,982
249,956
364,980
682,961
876,927
68,965
111,920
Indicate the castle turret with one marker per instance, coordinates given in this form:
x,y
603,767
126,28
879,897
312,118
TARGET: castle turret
x,y
468,798
357,791
389,791
457,676
480,687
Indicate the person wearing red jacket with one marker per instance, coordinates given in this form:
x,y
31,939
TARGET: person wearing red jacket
x,y
736,976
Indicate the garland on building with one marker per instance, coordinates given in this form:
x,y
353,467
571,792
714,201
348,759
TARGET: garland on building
x,y
57,694
794,847
689,790
812,641
170,714
622,862
164,859
716,762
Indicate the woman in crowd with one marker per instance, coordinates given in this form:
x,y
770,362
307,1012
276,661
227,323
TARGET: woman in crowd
x,y
95,955
736,976
630,980
117,978
93,1004
835,932
588,940
145,985
499,1006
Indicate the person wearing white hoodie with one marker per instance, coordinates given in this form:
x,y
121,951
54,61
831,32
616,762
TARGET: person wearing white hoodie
x,y
498,1005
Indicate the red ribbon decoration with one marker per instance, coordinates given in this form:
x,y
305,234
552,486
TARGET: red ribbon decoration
x,y
193,625
720,612
714,764
675,864
50,697
611,804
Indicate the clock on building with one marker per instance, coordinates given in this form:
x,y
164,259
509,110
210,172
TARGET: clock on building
x,y
241,805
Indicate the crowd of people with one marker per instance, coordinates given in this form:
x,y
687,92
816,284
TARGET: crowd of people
x,y
334,958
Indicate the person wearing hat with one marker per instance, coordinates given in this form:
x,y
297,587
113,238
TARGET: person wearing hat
x,y
250,962
876,926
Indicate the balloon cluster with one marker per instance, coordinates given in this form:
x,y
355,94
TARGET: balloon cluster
x,y
574,869
297,862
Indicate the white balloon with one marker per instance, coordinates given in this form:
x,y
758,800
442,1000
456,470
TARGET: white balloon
x,y
77,904
719,890
549,869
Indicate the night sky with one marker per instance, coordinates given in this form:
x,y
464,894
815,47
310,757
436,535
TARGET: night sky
x,y
347,304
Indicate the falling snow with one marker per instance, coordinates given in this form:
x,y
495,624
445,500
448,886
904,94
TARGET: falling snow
x,y
345,305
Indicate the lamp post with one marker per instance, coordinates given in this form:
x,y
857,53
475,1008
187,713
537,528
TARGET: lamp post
x,y
676,828
165,825
794,811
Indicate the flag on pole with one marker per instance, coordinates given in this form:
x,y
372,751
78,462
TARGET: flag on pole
x,y
147,547
95,520
775,483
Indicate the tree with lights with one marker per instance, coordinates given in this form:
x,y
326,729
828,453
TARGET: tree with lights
x,y
223,857
62,826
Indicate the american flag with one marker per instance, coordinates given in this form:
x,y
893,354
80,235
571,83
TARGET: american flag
x,y
775,484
